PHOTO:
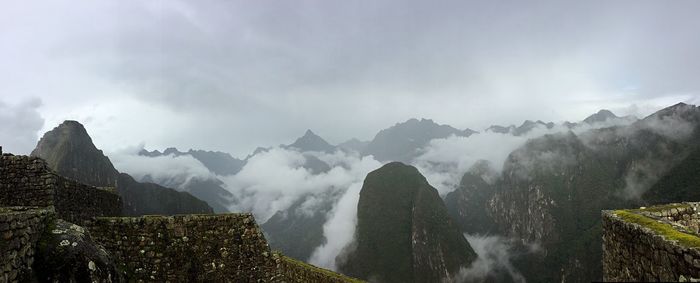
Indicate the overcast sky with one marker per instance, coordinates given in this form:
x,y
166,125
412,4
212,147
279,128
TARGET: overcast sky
x,y
234,75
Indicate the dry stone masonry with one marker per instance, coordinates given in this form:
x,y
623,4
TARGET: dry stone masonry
x,y
40,242
659,243
20,229
187,248
27,181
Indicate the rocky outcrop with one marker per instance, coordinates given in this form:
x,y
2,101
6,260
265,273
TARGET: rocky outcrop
x,y
67,253
404,233
68,150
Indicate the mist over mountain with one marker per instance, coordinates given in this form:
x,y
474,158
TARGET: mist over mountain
x,y
552,189
528,198
68,150
353,144
218,162
402,141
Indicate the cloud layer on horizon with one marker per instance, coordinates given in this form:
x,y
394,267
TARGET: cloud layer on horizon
x,y
214,73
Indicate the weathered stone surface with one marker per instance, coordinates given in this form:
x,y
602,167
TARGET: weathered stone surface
x,y
633,252
21,228
35,246
192,248
67,253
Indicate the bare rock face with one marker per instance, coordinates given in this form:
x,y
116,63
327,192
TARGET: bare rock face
x,y
67,253
68,149
404,232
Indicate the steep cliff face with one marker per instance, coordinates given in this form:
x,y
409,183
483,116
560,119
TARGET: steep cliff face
x,y
553,188
68,150
298,230
404,233
467,204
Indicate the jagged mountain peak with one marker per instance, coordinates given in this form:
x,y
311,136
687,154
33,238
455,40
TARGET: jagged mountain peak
x,y
69,150
312,142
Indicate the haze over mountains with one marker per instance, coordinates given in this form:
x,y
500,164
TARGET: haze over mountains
x,y
529,197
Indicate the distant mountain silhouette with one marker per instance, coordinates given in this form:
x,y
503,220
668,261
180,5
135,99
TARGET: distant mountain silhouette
x,y
402,141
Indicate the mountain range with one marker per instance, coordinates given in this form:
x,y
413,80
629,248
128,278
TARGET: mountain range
x,y
548,193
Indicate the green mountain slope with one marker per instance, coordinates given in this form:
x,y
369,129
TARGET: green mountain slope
x,y
404,233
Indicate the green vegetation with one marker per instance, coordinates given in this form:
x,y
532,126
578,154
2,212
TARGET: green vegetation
x,y
325,272
661,228
660,208
396,210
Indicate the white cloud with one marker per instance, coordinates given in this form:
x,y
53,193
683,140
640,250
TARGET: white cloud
x,y
273,180
339,229
19,126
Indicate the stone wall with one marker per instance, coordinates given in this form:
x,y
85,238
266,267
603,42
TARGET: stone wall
x,y
188,248
297,271
651,244
20,230
27,181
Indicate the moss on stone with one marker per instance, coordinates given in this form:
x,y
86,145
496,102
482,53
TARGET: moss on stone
x,y
660,208
660,228
328,273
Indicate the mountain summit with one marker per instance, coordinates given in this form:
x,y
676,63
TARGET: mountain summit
x,y
312,142
404,232
68,149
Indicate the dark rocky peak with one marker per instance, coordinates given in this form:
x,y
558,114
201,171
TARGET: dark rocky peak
x,y
68,150
602,116
311,142
404,232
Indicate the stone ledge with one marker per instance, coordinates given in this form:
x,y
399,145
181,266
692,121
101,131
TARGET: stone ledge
x,y
649,244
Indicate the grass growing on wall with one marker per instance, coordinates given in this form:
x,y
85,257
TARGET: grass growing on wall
x,y
660,208
661,228
328,273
